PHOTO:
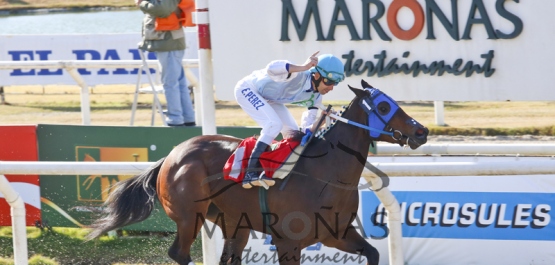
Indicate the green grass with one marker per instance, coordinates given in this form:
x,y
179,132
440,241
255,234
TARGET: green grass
x,y
68,246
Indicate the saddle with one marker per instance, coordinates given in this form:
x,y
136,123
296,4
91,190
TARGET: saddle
x,y
277,163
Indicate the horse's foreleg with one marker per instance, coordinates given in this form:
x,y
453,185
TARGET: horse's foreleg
x,y
289,252
354,243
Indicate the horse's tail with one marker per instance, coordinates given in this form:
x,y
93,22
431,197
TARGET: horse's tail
x,y
131,201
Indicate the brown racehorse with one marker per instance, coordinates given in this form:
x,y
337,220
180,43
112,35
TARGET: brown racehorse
x,y
318,203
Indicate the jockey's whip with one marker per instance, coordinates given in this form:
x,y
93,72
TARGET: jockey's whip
x,y
307,142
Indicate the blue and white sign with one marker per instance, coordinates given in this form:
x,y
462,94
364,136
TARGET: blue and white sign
x,y
77,47
451,220
467,215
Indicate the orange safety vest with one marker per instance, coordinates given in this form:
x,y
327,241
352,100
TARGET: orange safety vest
x,y
182,16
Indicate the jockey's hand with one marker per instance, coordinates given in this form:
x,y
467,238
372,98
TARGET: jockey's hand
x,y
306,137
332,111
311,61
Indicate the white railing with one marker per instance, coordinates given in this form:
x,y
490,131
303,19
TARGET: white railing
x,y
510,167
53,168
470,149
71,67
17,211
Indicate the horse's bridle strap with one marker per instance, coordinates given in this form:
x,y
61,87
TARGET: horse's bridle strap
x,y
341,119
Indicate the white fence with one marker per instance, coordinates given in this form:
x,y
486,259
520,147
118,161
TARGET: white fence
x,y
470,149
71,67
62,168
530,166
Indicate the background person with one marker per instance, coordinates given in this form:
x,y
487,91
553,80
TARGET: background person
x,y
263,93
163,34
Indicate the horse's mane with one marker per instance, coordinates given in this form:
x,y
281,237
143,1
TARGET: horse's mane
x,y
294,135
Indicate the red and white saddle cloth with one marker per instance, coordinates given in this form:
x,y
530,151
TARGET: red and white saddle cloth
x,y
273,162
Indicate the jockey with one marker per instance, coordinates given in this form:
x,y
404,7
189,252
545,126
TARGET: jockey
x,y
263,93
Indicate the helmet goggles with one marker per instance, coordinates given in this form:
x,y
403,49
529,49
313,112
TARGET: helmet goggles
x,y
331,77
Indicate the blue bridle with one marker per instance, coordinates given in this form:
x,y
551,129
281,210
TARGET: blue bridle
x,y
369,104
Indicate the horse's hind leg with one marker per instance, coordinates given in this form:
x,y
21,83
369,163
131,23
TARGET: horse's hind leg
x,y
175,252
233,247
187,231
188,227
180,198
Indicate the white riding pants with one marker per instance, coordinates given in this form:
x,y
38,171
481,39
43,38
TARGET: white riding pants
x,y
272,117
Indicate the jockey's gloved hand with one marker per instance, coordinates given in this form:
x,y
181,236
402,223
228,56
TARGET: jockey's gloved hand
x,y
307,135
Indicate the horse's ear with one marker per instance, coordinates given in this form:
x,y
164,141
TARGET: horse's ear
x,y
365,84
358,92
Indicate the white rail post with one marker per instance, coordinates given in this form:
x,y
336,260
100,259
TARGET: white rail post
x,y
438,110
210,247
395,236
85,99
18,221
205,69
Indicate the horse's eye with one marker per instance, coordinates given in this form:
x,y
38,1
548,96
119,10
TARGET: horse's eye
x,y
384,108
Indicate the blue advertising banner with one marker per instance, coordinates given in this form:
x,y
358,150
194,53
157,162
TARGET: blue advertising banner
x,y
466,215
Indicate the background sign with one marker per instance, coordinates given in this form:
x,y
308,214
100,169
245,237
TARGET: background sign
x,y
74,201
19,143
77,47
450,220
466,50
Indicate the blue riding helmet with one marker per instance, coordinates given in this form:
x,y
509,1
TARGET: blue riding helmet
x,y
330,67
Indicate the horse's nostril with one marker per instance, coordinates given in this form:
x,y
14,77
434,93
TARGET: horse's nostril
x,y
421,132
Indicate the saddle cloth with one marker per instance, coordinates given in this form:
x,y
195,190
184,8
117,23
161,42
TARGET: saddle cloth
x,y
272,161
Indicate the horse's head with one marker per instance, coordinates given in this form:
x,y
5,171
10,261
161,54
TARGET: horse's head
x,y
386,120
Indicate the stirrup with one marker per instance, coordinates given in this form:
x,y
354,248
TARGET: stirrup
x,y
247,185
263,181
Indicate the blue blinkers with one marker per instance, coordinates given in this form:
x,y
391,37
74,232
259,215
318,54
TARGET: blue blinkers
x,y
375,118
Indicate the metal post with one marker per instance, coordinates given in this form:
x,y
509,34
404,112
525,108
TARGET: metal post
x,y
394,220
210,249
18,222
85,102
438,110
205,69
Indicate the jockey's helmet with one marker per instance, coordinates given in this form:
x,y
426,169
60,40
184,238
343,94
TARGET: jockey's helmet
x,y
330,67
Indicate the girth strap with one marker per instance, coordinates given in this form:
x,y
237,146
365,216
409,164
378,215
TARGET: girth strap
x,y
263,201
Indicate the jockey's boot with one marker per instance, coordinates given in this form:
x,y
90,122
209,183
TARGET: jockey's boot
x,y
254,166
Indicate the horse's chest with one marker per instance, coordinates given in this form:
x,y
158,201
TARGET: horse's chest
x,y
338,200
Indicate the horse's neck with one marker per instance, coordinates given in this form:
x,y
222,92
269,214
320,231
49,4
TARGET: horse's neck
x,y
348,148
